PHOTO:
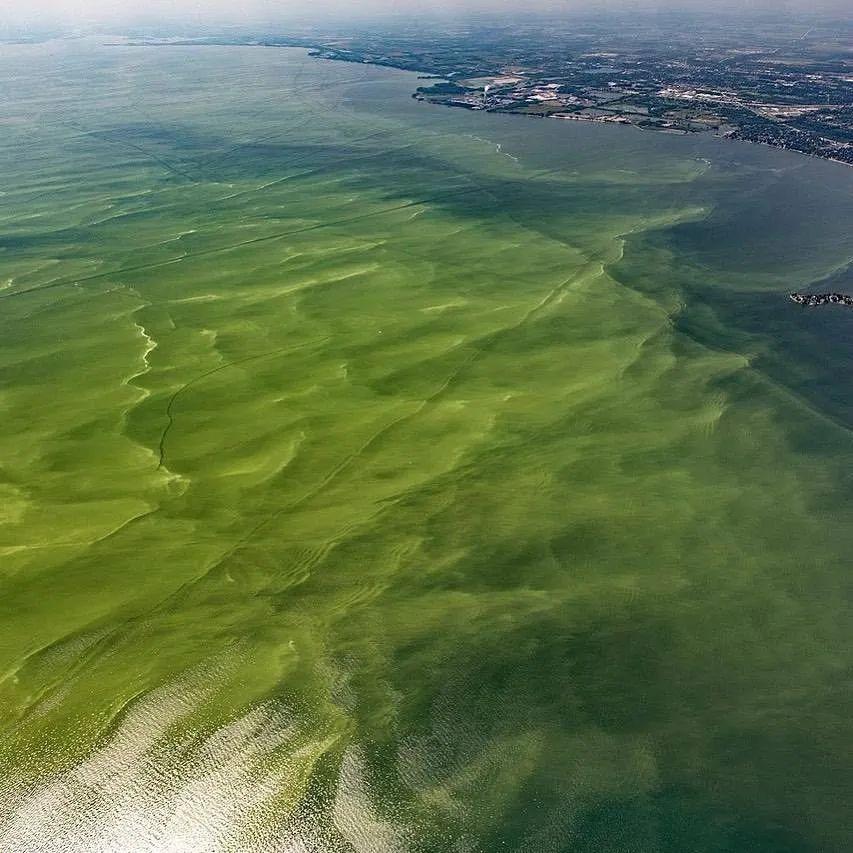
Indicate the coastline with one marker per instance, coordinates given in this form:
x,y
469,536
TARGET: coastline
x,y
317,51
427,74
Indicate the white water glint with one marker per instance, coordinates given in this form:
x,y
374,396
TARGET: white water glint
x,y
146,792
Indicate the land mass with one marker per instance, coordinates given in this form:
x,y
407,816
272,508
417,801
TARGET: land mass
x,y
789,86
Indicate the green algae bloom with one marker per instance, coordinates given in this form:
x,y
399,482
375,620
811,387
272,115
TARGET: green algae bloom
x,y
381,477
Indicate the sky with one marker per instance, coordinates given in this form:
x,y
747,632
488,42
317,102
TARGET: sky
x,y
83,12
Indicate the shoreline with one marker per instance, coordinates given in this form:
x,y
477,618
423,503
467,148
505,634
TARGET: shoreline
x,y
316,51
426,74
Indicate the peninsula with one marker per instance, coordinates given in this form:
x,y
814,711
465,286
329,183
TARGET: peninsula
x,y
787,85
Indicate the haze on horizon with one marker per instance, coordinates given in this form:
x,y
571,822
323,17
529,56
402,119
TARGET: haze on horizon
x,y
221,12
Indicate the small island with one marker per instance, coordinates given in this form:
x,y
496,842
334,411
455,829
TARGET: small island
x,y
811,300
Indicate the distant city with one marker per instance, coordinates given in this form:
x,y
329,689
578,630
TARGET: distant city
x,y
788,86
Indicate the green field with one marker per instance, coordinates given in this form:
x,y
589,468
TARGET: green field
x,y
383,477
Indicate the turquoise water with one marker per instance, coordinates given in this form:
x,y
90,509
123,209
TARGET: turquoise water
x,y
379,476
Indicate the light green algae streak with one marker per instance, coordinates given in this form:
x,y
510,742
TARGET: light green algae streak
x,y
380,477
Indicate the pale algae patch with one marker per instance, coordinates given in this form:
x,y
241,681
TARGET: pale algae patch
x,y
377,477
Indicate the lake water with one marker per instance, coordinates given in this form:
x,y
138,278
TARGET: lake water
x,y
384,477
